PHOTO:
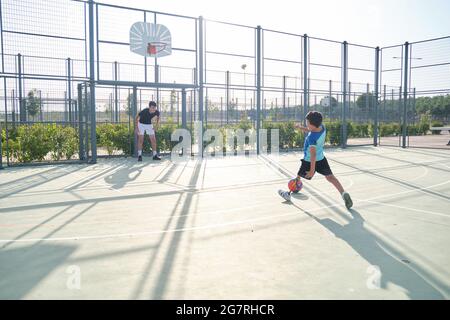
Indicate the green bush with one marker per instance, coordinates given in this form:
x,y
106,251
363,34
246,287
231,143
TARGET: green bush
x,y
39,141
333,133
105,136
287,134
63,142
123,139
390,129
413,130
32,143
3,137
436,124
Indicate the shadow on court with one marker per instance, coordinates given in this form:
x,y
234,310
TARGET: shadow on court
x,y
182,205
21,269
368,246
126,174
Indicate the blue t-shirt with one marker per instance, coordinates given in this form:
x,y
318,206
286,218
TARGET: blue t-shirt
x,y
316,139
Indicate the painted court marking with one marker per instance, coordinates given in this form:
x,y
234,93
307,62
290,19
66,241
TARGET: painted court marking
x,y
213,226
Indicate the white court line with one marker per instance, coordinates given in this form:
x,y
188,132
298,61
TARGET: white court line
x,y
212,226
395,194
402,207
397,183
134,234
234,222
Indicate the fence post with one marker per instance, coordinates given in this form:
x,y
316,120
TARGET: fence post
x,y
93,117
65,106
258,87
405,93
227,93
283,97
344,93
349,94
377,84
221,111
206,108
305,78
201,99
69,88
330,102
183,109
116,95
81,152
400,101
22,109
134,115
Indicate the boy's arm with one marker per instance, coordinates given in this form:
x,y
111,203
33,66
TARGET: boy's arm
x,y
312,170
137,122
298,126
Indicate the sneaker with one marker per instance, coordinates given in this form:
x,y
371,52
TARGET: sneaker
x,y
285,195
348,200
155,157
139,158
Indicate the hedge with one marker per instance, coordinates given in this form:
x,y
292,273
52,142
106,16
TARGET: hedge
x,y
39,142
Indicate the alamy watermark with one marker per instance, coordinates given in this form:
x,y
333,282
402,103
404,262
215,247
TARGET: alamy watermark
x,y
227,142
74,279
374,280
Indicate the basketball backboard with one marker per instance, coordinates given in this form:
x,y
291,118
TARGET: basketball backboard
x,y
150,40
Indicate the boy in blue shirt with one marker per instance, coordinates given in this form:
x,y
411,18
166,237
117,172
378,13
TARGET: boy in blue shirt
x,y
314,158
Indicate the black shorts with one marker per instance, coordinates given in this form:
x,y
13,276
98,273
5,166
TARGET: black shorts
x,y
322,167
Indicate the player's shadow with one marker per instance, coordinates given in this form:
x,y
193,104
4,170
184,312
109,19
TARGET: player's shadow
x,y
127,174
299,196
392,269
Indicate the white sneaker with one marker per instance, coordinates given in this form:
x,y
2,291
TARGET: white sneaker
x,y
285,195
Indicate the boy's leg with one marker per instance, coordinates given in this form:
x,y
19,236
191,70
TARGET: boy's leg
x,y
140,144
323,168
153,143
335,182
345,195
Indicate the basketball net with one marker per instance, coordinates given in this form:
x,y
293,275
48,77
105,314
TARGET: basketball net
x,y
155,47
151,48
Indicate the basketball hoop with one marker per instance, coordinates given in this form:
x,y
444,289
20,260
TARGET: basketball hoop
x,y
153,48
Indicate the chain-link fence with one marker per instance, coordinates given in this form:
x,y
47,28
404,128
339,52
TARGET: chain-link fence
x,y
223,74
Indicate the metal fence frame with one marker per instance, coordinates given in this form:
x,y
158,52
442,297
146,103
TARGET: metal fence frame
x,y
200,83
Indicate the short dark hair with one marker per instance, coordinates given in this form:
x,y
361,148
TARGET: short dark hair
x,y
315,118
152,104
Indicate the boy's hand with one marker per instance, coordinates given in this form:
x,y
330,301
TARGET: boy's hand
x,y
299,126
310,174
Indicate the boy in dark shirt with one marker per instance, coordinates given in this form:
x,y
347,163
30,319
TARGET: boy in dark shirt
x,y
144,123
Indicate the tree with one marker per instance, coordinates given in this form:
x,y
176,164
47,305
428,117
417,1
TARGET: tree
x,y
364,100
437,106
33,103
326,102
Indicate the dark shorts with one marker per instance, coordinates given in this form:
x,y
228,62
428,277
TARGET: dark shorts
x,y
322,167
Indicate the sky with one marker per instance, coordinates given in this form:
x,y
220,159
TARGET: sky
x,y
368,22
